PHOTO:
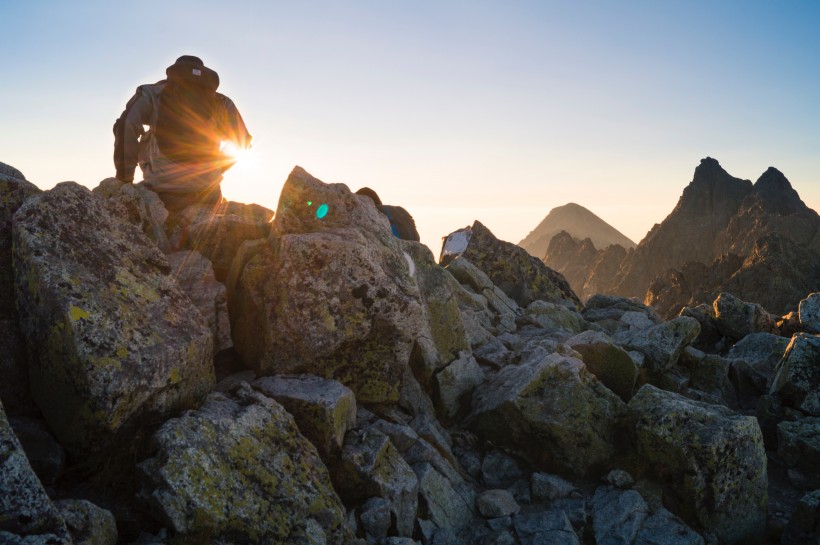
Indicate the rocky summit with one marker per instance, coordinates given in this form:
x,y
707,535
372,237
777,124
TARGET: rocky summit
x,y
758,241
225,374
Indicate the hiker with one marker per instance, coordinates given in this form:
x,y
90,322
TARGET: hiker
x,y
180,155
401,222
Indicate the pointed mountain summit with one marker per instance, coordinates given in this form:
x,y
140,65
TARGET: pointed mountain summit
x,y
688,233
579,223
777,194
704,246
713,193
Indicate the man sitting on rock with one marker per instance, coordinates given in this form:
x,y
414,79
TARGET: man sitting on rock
x,y
181,155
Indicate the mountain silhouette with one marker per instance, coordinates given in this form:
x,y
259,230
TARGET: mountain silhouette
x,y
580,223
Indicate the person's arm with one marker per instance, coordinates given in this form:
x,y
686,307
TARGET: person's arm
x,y
233,126
127,132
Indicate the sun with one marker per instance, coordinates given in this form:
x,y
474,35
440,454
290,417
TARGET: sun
x,y
236,153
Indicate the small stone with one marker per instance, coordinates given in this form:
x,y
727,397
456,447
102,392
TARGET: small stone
x,y
620,478
497,503
499,523
87,523
375,517
499,469
550,487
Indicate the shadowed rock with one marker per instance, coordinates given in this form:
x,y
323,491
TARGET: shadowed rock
x,y
662,344
14,389
606,360
372,467
809,313
799,447
712,459
324,409
797,383
553,409
195,276
736,318
217,231
26,512
521,276
112,338
238,470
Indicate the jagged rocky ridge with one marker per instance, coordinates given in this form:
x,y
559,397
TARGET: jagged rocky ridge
x,y
758,241
579,223
372,395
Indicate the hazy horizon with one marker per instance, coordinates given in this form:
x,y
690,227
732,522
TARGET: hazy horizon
x,y
457,110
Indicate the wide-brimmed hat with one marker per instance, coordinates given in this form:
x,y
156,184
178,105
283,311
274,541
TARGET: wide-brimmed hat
x,y
190,70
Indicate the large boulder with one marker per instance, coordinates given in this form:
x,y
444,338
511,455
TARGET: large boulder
x,y
217,231
736,318
331,294
112,338
606,360
195,276
521,276
709,378
14,391
439,501
238,470
323,409
26,512
485,309
754,362
87,523
662,344
712,459
439,293
554,317
136,204
552,409
797,383
617,515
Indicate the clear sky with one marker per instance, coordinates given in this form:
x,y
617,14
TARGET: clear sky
x,y
490,110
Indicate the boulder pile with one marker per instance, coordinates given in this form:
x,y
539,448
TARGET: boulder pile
x,y
225,374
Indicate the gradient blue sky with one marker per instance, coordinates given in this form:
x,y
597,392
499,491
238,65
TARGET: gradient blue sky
x,y
496,111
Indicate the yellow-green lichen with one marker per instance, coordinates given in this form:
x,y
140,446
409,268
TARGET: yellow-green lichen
x,y
76,313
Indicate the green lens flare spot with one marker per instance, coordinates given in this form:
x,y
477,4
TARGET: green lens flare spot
x,y
322,211
310,203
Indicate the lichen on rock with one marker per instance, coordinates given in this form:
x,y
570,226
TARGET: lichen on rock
x,y
237,469
111,337
711,458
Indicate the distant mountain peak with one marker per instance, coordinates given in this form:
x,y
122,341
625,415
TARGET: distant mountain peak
x,y
579,223
777,194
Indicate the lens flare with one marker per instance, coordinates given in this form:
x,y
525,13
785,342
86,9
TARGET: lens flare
x,y
322,211
234,152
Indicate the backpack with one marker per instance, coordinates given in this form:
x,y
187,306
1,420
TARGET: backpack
x,y
401,222
184,128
